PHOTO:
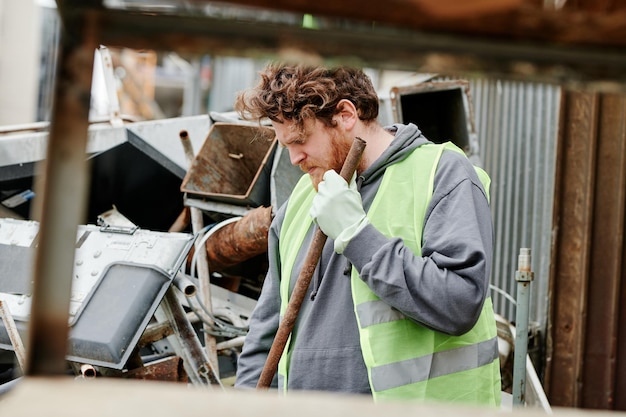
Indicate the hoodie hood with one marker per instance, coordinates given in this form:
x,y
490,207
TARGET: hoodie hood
x,y
407,138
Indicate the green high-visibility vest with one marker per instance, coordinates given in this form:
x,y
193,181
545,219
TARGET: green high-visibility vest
x,y
404,360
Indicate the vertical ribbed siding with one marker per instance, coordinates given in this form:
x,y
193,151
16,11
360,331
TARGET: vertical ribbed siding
x,y
516,125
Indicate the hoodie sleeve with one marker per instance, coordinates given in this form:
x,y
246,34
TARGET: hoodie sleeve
x,y
446,287
264,320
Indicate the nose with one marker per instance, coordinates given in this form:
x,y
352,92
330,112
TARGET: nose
x,y
296,156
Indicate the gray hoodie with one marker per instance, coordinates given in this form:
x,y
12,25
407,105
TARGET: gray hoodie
x,y
444,289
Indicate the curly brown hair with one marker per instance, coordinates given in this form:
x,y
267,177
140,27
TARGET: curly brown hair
x,y
297,93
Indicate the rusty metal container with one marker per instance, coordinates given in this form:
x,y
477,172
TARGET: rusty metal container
x,y
441,109
232,165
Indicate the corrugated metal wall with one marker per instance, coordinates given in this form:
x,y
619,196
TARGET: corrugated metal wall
x,y
516,124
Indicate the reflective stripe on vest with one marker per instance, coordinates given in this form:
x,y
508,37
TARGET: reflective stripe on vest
x,y
404,359
438,364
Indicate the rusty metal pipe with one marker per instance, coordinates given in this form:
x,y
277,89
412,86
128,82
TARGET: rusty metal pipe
x,y
235,240
304,278
239,241
181,222
200,243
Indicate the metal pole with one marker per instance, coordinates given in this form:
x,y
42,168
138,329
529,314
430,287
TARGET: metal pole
x,y
61,191
524,277
204,275
197,364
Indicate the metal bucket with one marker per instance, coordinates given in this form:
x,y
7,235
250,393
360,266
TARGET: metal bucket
x,y
232,165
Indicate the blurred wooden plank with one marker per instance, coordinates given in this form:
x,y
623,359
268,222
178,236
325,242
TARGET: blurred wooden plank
x,y
595,6
364,45
585,24
574,186
606,265
381,11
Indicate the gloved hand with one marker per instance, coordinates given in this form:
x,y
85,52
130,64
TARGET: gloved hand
x,y
338,210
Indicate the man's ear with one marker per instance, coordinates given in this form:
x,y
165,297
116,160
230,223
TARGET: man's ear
x,y
347,114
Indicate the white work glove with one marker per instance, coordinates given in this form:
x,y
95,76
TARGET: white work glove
x,y
338,210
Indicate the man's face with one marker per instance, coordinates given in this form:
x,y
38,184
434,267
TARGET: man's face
x,y
315,151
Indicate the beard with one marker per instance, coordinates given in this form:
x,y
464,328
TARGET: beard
x,y
340,147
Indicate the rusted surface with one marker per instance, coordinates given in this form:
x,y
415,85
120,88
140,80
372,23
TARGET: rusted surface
x,y
573,211
588,334
606,270
168,369
199,367
155,332
239,241
232,164
181,222
304,279
60,206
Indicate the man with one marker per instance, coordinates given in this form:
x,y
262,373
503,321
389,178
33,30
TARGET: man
x,y
399,305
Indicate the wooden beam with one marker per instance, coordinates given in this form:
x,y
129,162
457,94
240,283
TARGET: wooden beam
x,y
363,45
574,185
605,269
377,11
522,20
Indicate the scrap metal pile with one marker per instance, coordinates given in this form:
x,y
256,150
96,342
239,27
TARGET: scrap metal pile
x,y
166,278
174,253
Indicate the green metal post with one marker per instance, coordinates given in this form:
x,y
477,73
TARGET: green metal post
x,y
524,277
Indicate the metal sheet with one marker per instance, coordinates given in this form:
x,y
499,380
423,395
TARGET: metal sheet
x,y
516,128
134,153
141,182
113,316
